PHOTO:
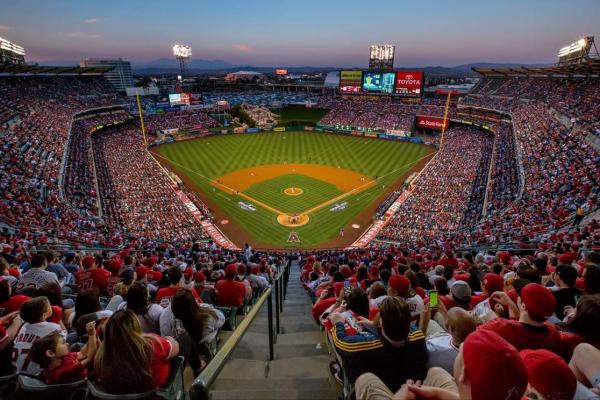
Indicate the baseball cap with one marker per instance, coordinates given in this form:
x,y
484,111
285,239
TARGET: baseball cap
x,y
199,277
114,265
400,284
346,271
88,261
493,283
485,353
461,290
539,301
549,374
230,271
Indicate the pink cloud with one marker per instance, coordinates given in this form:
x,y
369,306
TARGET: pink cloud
x,y
4,28
91,20
246,48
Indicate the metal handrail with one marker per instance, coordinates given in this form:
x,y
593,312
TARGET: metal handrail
x,y
200,387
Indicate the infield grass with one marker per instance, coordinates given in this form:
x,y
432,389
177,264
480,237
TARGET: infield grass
x,y
209,158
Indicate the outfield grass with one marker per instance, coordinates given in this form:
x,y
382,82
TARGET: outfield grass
x,y
209,158
271,192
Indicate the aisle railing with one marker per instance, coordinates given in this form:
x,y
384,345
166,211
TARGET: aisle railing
x,y
201,386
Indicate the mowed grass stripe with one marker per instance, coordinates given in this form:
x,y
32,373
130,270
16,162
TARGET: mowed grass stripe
x,y
217,155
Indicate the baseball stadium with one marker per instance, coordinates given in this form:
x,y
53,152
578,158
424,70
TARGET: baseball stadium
x,y
260,201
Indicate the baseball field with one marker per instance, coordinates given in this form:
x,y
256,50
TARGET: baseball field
x,y
292,189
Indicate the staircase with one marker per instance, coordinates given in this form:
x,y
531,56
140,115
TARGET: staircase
x,y
300,367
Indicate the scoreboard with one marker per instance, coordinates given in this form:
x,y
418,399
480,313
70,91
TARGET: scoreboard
x,y
396,83
381,57
351,81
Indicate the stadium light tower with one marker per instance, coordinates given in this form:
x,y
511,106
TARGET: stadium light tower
x,y
182,53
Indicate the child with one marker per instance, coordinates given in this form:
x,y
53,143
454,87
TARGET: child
x,y
58,364
35,313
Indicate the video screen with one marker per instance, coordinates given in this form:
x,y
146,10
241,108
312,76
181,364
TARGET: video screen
x,y
379,82
409,83
351,81
179,99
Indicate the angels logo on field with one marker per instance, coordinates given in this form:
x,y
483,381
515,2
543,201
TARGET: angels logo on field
x,y
293,237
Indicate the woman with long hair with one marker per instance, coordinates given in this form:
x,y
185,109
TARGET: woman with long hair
x,y
130,361
137,300
201,322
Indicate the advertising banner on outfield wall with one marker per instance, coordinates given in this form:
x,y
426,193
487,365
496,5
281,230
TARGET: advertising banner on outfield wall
x,y
239,130
429,122
252,130
279,129
309,128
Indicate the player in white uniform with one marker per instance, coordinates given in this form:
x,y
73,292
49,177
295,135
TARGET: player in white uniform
x,y
34,312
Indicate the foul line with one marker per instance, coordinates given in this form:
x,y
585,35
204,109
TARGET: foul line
x,y
310,210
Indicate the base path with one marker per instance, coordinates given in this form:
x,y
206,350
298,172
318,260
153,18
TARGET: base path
x,y
300,369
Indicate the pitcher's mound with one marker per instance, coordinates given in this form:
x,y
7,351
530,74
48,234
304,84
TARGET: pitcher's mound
x,y
293,191
293,220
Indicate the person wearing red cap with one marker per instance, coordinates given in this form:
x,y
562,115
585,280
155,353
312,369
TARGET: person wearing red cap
x,y
491,283
399,286
549,375
258,282
534,305
476,375
229,292
91,276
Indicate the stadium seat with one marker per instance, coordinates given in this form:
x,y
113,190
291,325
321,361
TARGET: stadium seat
x,y
173,389
34,386
8,386
230,314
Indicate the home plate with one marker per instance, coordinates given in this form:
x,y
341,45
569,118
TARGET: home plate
x,y
224,221
355,226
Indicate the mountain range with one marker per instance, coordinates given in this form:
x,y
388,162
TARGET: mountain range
x,y
171,66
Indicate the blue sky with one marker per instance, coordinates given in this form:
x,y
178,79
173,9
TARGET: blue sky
x,y
295,33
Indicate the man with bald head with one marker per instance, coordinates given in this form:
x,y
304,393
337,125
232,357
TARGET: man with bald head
x,y
443,348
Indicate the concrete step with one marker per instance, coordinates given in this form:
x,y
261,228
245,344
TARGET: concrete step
x,y
273,394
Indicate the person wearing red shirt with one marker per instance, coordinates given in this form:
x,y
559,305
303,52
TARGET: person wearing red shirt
x,y
91,276
59,365
147,365
229,292
534,305
491,283
164,295
9,303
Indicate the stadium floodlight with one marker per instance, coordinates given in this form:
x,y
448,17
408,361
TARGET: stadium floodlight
x,y
11,47
182,51
573,47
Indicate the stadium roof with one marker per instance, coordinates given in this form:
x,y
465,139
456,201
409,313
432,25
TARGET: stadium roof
x,y
591,67
38,69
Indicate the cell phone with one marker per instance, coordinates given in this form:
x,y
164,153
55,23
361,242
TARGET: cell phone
x,y
433,298
346,285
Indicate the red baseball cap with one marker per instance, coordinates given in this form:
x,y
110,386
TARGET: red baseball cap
x,y
493,283
539,301
346,271
114,265
549,374
188,273
88,261
485,353
400,284
230,271
199,277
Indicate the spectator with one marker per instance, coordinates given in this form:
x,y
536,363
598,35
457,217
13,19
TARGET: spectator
x,y
146,366
36,276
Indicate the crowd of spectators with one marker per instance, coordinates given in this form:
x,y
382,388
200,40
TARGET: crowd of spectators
x,y
32,146
448,194
121,318
79,181
183,120
368,113
137,195
408,322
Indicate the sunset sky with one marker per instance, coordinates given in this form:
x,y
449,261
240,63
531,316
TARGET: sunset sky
x,y
299,33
